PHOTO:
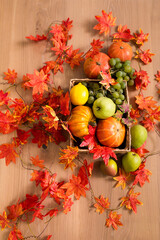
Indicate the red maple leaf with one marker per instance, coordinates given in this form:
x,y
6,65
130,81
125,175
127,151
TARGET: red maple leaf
x,y
95,49
31,202
37,38
141,80
157,76
8,122
113,220
68,155
49,237
146,103
148,122
123,34
141,151
107,80
15,234
39,134
10,76
64,104
144,56
85,172
59,47
73,58
104,152
4,99
75,186
135,114
37,162
21,138
8,152
105,22
4,222
52,212
15,211
101,204
67,205
55,65
130,201
123,178
38,81
140,37
141,175
90,139
51,118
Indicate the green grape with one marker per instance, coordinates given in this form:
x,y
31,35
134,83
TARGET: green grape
x,y
126,78
120,91
90,100
119,74
130,82
117,60
124,74
109,95
118,101
117,86
101,90
126,63
123,85
118,65
99,95
91,93
119,79
85,84
115,94
122,97
112,62
112,89
127,68
95,86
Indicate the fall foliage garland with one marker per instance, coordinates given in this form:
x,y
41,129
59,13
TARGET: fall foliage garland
x,y
44,120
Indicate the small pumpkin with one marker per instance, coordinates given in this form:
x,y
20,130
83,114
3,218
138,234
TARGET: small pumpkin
x,y
93,66
110,132
120,50
80,118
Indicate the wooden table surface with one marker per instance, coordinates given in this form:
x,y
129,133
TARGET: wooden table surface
x,y
20,18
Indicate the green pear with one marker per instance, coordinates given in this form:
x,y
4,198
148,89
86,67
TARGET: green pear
x,y
138,136
131,162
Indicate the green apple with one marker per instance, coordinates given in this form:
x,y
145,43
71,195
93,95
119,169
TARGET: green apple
x,y
131,161
138,135
103,108
110,169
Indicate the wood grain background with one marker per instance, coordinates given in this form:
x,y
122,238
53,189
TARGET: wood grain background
x,y
20,18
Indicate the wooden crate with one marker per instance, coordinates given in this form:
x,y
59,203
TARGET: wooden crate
x,y
126,146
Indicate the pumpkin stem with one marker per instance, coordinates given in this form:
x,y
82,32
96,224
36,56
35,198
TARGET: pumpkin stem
x,y
98,63
121,47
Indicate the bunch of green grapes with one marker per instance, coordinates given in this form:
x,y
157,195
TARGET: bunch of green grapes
x,y
122,71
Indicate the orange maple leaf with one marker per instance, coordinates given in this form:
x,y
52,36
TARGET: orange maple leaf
x,y
107,80
105,22
73,57
123,178
67,205
130,201
51,118
144,56
15,234
15,211
101,204
123,34
157,76
140,37
37,162
8,152
74,186
4,222
10,76
38,81
113,220
68,155
146,103
37,38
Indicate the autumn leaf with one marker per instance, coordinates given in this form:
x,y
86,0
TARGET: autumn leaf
x,y
157,76
140,37
123,178
52,212
107,80
15,234
21,138
59,47
141,151
135,114
39,135
8,122
146,103
130,201
67,205
38,81
74,186
123,34
68,155
8,152
141,175
105,22
141,80
90,139
104,152
51,118
15,211
101,204
73,58
144,56
49,237
4,222
4,99
96,46
55,65
64,104
85,172
37,38
37,162
10,76
113,220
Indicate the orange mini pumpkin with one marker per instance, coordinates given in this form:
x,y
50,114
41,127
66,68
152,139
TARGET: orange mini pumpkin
x,y
110,132
80,118
120,50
